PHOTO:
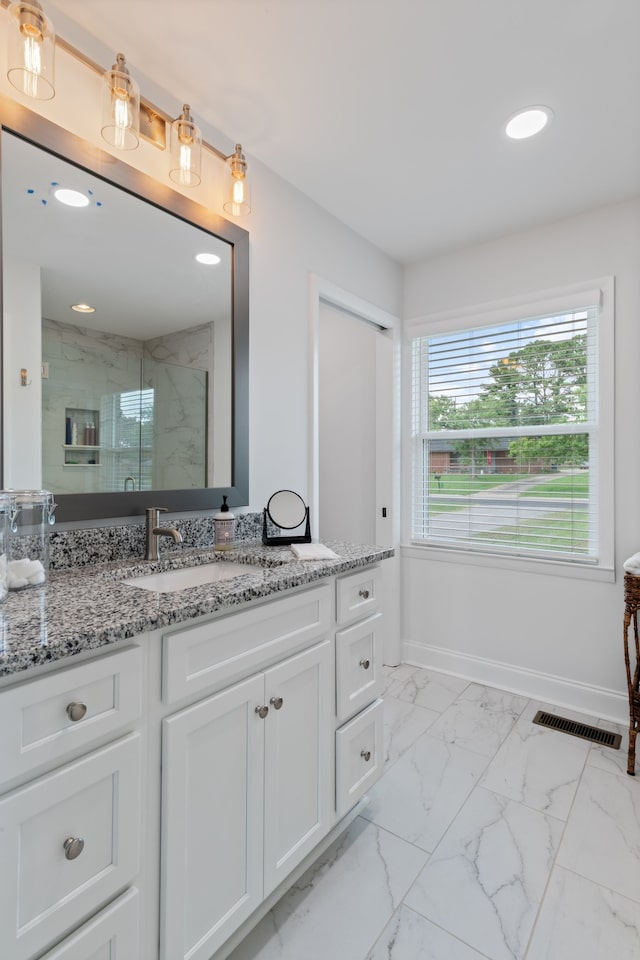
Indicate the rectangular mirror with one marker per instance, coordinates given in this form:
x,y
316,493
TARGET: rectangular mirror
x,y
140,386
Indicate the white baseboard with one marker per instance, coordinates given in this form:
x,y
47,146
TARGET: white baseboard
x,y
591,700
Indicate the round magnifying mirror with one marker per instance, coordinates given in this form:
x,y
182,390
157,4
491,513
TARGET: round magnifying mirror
x,y
287,509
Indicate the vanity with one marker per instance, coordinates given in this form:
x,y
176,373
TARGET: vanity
x,y
172,761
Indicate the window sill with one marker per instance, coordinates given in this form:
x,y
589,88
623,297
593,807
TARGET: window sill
x,y
550,568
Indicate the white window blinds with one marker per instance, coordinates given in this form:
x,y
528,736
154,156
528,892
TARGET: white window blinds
x,y
505,437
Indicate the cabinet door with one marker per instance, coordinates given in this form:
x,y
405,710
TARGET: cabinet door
x,y
212,834
68,842
298,760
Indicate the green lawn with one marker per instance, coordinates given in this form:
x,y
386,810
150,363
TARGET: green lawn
x,y
463,484
555,531
573,485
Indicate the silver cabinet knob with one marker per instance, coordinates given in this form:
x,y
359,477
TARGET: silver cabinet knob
x,y
365,664
262,711
364,594
73,847
76,711
366,755
276,702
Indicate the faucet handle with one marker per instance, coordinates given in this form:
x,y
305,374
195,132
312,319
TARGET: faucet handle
x,y
155,510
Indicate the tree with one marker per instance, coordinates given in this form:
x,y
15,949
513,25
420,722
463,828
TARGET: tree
x,y
544,382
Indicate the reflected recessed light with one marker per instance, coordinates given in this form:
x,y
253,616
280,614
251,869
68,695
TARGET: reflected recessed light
x,y
208,258
83,308
71,198
526,123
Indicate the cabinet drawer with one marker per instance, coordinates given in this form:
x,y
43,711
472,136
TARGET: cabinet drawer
x,y
358,666
216,654
44,893
359,756
110,935
36,717
357,595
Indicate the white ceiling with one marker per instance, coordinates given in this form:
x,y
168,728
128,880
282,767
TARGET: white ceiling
x,y
389,113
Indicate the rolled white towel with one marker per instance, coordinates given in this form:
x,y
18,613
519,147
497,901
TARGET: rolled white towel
x,y
632,565
16,583
21,568
24,573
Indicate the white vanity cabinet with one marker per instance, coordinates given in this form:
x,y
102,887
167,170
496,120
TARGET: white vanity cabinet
x,y
247,778
69,838
244,737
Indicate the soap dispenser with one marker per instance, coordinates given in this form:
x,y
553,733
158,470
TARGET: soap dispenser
x,y
225,526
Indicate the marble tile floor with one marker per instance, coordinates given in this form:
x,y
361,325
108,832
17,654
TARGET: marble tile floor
x,y
487,838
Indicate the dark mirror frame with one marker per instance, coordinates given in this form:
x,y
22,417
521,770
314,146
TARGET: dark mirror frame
x,y
42,133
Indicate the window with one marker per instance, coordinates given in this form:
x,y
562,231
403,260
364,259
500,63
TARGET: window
x,y
507,453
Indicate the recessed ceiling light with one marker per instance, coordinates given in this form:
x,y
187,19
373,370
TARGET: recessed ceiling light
x,y
526,123
71,198
83,308
208,258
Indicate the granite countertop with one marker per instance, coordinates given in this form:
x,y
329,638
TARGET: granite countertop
x,y
90,607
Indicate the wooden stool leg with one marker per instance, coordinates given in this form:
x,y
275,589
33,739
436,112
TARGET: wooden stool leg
x,y
631,764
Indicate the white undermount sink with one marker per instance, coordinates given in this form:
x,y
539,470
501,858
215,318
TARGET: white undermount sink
x,y
171,580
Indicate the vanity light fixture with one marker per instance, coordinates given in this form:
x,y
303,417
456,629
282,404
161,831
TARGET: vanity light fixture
x,y
238,200
83,308
71,198
209,259
120,107
526,123
31,50
186,150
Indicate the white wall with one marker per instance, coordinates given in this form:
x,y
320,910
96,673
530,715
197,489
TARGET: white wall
x,y
546,635
291,237
22,350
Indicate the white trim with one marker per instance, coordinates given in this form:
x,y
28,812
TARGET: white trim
x,y
600,702
512,309
504,561
326,291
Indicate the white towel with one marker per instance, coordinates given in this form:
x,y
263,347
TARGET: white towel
x,y
25,572
632,565
313,551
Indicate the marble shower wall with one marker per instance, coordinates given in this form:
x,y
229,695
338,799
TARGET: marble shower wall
x,y
176,366
89,371
85,368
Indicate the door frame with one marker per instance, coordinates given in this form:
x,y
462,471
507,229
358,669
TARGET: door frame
x,y
387,533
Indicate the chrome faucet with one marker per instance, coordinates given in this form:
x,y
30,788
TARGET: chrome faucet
x,y
133,483
154,531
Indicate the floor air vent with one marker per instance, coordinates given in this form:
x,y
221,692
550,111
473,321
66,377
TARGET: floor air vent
x,y
582,730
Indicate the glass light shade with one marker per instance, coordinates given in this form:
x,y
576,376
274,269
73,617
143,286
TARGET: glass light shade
x,y
237,190
120,107
186,150
31,50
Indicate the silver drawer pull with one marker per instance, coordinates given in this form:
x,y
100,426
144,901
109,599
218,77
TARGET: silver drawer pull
x,y
364,594
262,711
366,755
276,702
76,711
365,664
73,847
